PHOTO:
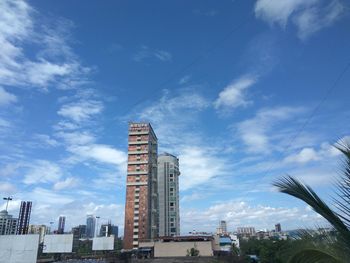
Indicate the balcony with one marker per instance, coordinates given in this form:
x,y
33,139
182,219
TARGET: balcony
x,y
139,132
136,183
138,162
137,172
138,152
137,142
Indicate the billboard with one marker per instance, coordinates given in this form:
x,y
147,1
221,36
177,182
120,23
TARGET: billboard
x,y
19,248
58,243
103,243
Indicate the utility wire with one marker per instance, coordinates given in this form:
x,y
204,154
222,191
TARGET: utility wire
x,y
195,61
313,113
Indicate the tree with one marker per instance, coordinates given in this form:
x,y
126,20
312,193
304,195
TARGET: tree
x,y
326,248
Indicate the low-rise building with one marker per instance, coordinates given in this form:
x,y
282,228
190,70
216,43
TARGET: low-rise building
x,y
42,230
180,246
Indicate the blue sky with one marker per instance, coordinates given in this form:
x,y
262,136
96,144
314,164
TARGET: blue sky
x,y
243,92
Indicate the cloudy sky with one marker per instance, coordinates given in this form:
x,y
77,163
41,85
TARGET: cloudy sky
x,y
243,92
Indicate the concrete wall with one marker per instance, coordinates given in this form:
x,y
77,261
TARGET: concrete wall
x,y
179,249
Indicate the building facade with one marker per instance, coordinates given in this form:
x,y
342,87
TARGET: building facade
x,y
168,195
8,224
222,228
246,231
90,226
141,213
42,230
61,224
24,217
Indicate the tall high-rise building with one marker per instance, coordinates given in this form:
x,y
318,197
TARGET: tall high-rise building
x,y
61,223
168,195
8,224
141,203
24,217
90,226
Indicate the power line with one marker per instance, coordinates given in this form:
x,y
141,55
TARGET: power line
x,y
190,64
313,113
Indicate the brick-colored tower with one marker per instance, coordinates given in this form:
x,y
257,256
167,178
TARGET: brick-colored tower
x,y
141,186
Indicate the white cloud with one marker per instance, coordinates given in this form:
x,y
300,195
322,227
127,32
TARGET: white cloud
x,y
162,55
309,16
171,107
46,140
7,188
4,124
68,183
184,79
233,95
198,165
314,19
101,153
148,53
42,171
76,137
257,132
81,111
239,213
53,63
173,118
304,156
326,151
6,98
275,11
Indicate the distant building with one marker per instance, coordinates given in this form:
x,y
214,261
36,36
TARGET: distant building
x,y
250,231
141,203
108,229
168,195
278,228
222,229
8,224
115,231
61,224
42,230
24,217
79,231
90,226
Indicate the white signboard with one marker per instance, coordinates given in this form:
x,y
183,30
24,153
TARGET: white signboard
x,y
19,248
58,243
103,243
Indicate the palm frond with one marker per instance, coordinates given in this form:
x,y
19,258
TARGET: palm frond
x,y
314,255
294,187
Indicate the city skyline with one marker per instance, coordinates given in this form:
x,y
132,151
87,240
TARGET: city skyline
x,y
241,92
